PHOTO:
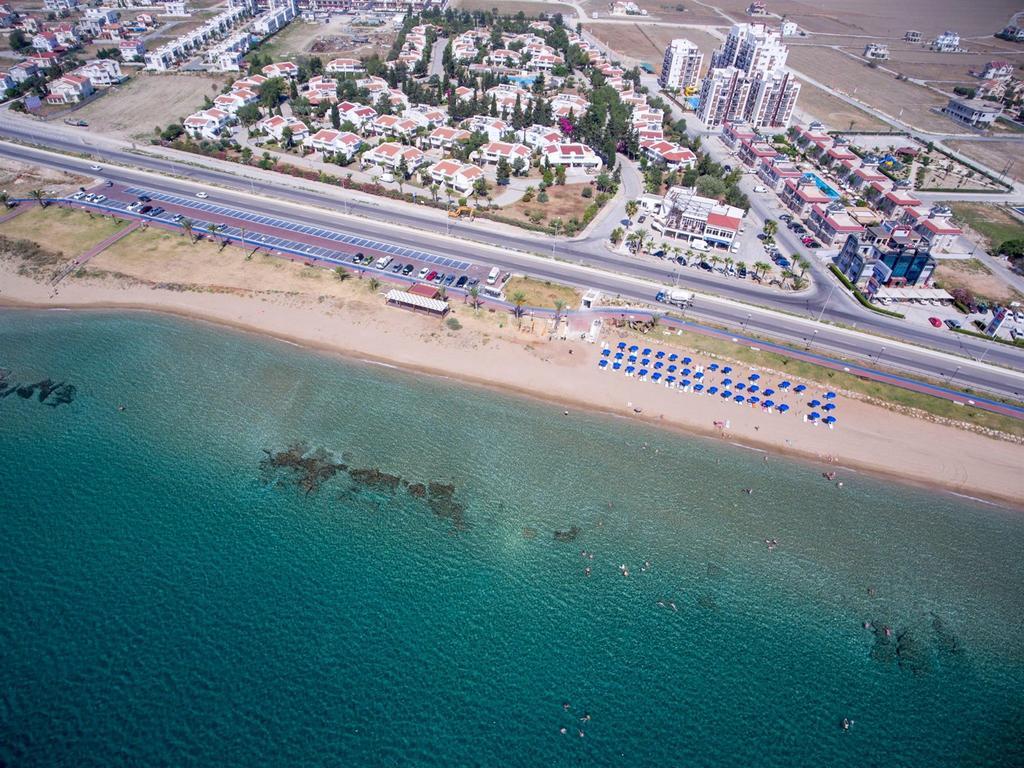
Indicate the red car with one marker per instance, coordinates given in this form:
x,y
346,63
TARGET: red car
x,y
433,274
935,321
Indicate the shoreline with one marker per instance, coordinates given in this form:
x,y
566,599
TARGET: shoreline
x,y
1008,499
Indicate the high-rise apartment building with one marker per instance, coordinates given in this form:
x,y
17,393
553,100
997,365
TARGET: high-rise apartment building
x,y
748,81
681,67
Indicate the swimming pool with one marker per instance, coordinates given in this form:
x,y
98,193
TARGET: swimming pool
x,y
822,185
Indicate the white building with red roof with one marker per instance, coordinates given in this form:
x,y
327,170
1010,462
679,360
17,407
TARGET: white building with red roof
x,y
753,152
390,154
733,134
492,127
895,202
334,143
684,215
233,101
539,136
493,151
673,156
935,226
132,50
394,126
286,69
571,155
455,175
357,114
275,126
868,176
776,171
799,195
250,83
69,89
206,124
831,224
445,137
345,67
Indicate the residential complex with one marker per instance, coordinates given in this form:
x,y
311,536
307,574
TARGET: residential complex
x,y
748,81
680,70
682,214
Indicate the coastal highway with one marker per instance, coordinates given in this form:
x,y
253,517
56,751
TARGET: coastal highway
x,y
638,283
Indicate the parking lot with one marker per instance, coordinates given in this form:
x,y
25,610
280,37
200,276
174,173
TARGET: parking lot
x,y
279,236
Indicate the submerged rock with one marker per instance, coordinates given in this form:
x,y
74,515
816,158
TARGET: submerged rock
x,y
945,640
529,533
441,500
296,464
417,490
707,602
569,535
374,478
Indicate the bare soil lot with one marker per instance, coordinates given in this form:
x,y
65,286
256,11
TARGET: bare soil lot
x,y
302,38
645,42
663,10
834,112
875,88
134,109
975,277
994,154
886,18
564,202
18,179
512,8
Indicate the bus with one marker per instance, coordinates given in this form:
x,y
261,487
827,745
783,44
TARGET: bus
x,y
492,278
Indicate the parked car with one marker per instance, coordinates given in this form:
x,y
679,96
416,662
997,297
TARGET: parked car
x,y
397,268
952,324
642,219
449,279
813,244
786,217
407,269
144,198
95,167
473,281
461,282
783,262
760,189
935,322
431,275
78,195
741,271
156,211
423,273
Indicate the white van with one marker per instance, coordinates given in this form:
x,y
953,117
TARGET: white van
x,y
493,292
383,261
492,278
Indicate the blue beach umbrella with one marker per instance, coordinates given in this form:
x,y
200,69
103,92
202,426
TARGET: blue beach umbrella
x,y
634,348
769,392
784,385
726,393
754,376
621,345
727,369
670,379
726,381
645,361
814,403
753,388
799,388
698,375
630,369
767,403
828,407
687,361
603,364
631,358
739,398
647,351
686,371
712,367
673,357
830,395
616,366
830,419
740,385
618,355
659,354
605,352
686,383
672,368
814,416
783,408
656,377
712,390
698,387
658,365
643,372
754,400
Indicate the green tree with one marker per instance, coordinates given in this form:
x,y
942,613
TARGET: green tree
x,y
770,227
519,299
632,206
186,228
39,196
287,137
335,117
560,175
248,115
341,274
502,172
373,285
616,236
474,297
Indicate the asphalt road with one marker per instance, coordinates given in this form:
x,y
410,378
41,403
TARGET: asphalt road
x,y
613,275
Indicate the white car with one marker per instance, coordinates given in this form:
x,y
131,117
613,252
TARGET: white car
x,y
202,195
760,189
95,168
423,272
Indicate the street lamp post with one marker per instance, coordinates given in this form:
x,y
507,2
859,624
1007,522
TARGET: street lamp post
x,y
814,337
827,300
952,376
743,325
879,355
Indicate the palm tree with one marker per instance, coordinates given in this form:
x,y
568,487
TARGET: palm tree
x,y
786,275
39,196
761,267
803,263
434,189
770,227
373,284
442,293
4,197
186,229
799,283
474,297
631,241
715,260
519,299
341,274
728,261
212,229
559,306
632,206
641,235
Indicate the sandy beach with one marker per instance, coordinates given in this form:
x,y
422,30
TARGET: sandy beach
x,y
310,307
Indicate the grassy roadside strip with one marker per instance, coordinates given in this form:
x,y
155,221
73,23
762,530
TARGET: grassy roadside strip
x,y
986,337
860,296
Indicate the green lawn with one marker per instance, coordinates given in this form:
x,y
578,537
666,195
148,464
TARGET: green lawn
x,y
990,221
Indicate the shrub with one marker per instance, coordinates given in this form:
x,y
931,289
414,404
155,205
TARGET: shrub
x,y
587,192
542,197
453,323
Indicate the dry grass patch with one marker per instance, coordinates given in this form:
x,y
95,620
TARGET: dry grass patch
x,y
19,179
564,202
836,113
541,293
68,230
990,221
512,8
134,109
972,275
645,42
994,155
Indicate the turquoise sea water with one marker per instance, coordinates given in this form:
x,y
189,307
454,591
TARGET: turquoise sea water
x,y
167,601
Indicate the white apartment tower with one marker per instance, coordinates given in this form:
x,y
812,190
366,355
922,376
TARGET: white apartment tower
x,y
681,67
748,81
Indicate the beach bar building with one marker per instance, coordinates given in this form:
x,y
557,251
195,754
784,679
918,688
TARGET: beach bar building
x,y
417,303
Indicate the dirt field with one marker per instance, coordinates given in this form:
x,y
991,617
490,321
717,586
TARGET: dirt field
x,y
19,179
994,224
975,277
886,18
875,88
510,7
134,109
67,230
663,10
638,42
994,154
563,203
541,293
301,38
835,113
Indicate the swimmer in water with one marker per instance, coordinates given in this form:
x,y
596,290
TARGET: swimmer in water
x,y
586,717
661,603
846,724
586,571
563,730
748,491
672,605
581,734
566,706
